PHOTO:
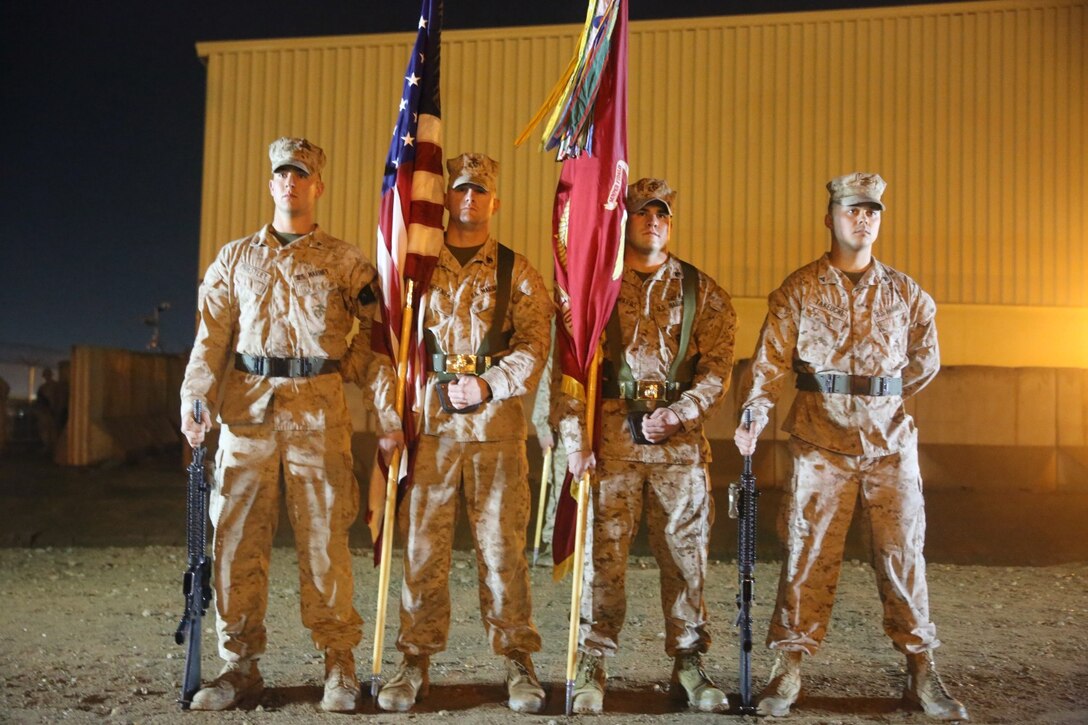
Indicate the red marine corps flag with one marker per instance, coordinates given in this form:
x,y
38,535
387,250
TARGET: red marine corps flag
x,y
589,127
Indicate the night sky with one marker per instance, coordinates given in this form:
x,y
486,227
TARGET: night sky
x,y
103,110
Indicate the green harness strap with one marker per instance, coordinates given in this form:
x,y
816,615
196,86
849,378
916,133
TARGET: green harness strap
x,y
680,371
495,339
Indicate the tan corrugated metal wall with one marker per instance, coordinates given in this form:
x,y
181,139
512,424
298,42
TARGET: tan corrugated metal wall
x,y
974,112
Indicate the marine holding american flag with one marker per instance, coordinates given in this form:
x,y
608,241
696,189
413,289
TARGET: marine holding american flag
x,y
668,355
485,318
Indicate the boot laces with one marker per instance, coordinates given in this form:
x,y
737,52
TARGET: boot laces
x,y
694,662
588,670
404,669
934,682
521,667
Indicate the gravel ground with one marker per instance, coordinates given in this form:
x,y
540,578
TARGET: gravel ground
x,y
86,636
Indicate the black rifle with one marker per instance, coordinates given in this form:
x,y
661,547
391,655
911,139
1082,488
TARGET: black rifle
x,y
742,506
198,576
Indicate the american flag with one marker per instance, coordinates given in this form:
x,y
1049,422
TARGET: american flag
x,y
410,220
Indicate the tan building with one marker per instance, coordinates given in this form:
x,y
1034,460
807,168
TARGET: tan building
x,y
974,112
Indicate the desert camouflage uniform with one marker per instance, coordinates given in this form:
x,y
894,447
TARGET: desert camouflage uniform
x,y
849,447
670,478
262,298
480,453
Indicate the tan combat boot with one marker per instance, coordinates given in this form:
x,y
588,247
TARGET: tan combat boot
x,y
410,683
589,685
925,689
690,682
341,682
526,694
237,682
783,688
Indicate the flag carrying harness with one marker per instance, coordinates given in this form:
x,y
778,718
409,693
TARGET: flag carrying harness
x,y
641,395
447,366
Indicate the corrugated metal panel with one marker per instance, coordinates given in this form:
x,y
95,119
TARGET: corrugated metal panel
x,y
120,402
974,112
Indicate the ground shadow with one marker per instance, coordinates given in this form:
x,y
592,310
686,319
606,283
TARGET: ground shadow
x,y
850,705
627,700
451,698
278,697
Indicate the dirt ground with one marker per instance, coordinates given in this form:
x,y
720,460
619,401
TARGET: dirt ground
x,y
86,632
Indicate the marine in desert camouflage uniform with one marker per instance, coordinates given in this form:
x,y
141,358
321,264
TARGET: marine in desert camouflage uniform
x,y
861,338
667,475
274,313
473,444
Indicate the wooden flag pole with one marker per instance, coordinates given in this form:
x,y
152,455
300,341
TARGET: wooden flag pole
x,y
391,500
578,565
545,478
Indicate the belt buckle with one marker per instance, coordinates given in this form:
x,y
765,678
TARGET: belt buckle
x,y
464,364
881,385
649,390
305,367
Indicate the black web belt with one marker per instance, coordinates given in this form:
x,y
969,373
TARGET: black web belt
x,y
841,384
284,367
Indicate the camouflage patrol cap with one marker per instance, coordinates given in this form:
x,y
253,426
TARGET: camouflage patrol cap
x,y
478,169
644,191
297,152
857,188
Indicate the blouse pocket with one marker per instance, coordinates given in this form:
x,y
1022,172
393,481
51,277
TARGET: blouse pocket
x,y
891,326
820,335
252,280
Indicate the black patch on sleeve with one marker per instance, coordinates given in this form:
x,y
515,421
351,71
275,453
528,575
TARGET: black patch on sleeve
x,y
368,294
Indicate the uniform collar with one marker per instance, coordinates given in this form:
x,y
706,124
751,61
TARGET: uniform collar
x,y
670,269
487,255
876,274
315,238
